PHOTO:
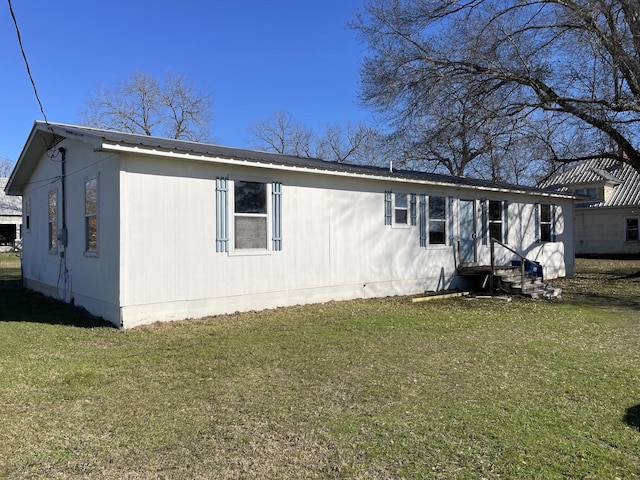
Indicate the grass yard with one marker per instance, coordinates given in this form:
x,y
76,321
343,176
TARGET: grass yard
x,y
9,266
371,389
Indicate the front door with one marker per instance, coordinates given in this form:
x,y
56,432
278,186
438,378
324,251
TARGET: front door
x,y
467,231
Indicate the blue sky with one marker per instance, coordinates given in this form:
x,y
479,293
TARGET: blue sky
x,y
253,57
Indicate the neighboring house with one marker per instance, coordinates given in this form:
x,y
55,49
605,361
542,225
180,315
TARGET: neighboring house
x,y
607,210
139,229
10,220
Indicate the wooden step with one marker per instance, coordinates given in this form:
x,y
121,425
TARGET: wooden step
x,y
509,280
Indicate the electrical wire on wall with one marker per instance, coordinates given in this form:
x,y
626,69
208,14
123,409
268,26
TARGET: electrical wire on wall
x,y
64,274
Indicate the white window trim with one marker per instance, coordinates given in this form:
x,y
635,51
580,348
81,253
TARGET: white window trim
x,y
550,222
494,222
92,253
237,252
394,224
444,220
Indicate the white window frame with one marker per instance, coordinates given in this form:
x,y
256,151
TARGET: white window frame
x,y
494,221
87,251
268,216
397,209
431,220
543,223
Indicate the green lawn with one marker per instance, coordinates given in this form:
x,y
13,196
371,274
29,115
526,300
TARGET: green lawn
x,y
356,390
9,266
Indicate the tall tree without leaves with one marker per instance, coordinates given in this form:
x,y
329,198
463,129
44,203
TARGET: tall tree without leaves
x,y
282,134
336,142
143,105
6,167
573,65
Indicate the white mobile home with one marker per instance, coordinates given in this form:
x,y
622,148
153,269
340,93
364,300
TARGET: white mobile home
x,y
139,229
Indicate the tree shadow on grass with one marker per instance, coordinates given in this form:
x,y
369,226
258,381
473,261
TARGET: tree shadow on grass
x,y
620,301
609,289
629,276
632,417
18,304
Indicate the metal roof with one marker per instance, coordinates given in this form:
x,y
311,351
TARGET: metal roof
x,y
621,177
9,205
104,139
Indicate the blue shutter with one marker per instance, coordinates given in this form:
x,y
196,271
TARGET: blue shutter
x,y
387,208
222,215
448,218
505,222
485,222
536,219
413,209
276,197
423,220
553,222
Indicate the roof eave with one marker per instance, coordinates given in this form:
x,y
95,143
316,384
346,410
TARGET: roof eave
x,y
37,143
122,147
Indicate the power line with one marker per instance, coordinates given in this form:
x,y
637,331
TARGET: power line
x,y
26,62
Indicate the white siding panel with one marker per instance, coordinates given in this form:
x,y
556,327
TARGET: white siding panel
x,y
169,232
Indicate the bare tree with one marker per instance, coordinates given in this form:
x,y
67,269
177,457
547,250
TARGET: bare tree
x,y
6,167
574,61
282,134
189,112
337,142
450,133
350,143
142,105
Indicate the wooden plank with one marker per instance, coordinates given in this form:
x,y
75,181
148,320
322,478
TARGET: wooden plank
x,y
438,297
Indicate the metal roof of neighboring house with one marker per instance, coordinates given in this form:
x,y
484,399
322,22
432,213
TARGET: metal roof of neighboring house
x,y
9,205
622,177
113,141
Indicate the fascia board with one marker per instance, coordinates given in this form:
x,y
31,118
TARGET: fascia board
x,y
120,148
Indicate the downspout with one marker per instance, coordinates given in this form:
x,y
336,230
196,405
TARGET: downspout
x,y
63,237
63,164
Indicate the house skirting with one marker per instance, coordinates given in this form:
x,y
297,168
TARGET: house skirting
x,y
135,315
